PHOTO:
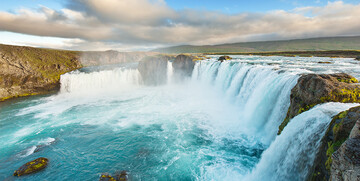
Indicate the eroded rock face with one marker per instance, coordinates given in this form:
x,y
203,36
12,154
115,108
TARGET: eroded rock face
x,y
313,89
153,69
343,126
183,65
29,71
32,166
346,161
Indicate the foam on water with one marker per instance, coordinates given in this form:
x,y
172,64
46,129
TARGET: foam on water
x,y
220,125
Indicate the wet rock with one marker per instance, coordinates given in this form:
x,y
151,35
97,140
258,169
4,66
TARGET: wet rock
x,y
122,176
41,147
32,166
106,177
224,57
357,58
184,65
313,89
324,62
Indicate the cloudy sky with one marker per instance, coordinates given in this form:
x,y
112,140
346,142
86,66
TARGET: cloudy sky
x,y
133,25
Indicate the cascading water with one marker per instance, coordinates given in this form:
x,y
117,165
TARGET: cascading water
x,y
100,81
220,125
170,72
260,94
292,153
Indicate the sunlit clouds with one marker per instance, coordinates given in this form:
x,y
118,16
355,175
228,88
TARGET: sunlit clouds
x,y
145,24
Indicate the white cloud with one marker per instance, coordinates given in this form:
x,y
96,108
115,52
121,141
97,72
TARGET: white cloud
x,y
134,24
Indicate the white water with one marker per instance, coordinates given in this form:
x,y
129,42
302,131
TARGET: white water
x,y
170,72
292,153
259,93
118,79
213,127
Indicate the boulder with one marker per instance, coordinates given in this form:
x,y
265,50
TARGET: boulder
x,y
106,177
32,166
313,89
224,57
357,58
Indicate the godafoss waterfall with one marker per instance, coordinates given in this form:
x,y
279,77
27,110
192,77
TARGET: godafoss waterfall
x,y
165,120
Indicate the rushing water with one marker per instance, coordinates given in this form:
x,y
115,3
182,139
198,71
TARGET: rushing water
x,y
220,124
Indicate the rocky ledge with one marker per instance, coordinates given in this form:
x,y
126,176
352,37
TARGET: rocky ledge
x,y
29,71
313,89
338,155
153,69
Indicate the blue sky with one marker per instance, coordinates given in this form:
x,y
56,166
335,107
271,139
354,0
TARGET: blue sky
x,y
225,6
128,25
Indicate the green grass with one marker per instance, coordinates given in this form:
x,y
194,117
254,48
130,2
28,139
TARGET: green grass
x,y
313,44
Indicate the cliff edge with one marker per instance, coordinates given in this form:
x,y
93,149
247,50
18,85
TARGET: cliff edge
x,y
29,71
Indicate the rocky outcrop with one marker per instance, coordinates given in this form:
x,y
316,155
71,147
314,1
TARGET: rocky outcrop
x,y
346,161
153,69
343,126
224,57
29,71
32,166
313,89
184,65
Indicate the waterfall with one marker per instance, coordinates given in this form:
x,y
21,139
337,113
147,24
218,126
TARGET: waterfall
x,y
106,80
292,153
170,72
253,101
260,93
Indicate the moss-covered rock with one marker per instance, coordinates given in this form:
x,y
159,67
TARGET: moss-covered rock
x,y
337,133
224,57
32,166
313,89
346,160
106,177
28,71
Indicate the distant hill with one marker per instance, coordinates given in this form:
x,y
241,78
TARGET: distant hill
x,y
312,44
